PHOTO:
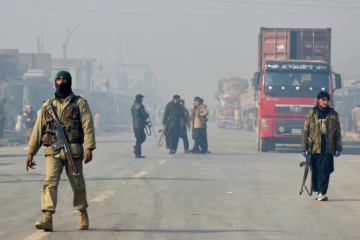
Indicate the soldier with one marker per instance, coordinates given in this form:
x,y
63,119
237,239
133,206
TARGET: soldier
x,y
139,123
322,126
29,116
74,112
183,127
172,121
198,119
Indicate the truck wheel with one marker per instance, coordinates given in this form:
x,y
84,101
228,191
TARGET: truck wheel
x,y
263,145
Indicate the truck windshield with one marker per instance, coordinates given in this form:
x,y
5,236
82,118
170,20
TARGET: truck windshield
x,y
295,84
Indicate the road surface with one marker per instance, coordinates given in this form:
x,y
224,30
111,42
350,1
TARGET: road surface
x,y
233,193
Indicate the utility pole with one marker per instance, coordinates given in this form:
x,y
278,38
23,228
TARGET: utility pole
x,y
119,62
40,43
64,47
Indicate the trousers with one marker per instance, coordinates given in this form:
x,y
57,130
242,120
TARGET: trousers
x,y
184,138
200,139
54,168
140,139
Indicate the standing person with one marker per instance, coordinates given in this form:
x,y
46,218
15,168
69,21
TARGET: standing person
x,y
97,122
19,122
2,116
355,114
323,127
139,123
74,113
185,127
205,119
29,117
172,121
199,115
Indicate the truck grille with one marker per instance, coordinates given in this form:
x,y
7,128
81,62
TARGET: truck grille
x,y
291,126
293,109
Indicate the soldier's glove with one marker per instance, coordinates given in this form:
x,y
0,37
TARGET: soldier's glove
x,y
304,153
337,153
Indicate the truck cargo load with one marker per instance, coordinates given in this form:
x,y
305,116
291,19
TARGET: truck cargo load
x,y
228,94
294,43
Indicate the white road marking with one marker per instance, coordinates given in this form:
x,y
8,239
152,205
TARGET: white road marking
x,y
140,174
163,161
37,235
103,196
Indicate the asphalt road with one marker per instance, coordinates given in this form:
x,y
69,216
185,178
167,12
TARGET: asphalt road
x,y
233,193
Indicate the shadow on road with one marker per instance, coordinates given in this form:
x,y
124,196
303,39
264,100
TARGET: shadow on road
x,y
349,148
112,179
6,164
180,230
13,155
344,200
114,141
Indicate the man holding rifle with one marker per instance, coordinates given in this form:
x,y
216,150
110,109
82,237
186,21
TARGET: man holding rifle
x,y
140,116
63,126
322,127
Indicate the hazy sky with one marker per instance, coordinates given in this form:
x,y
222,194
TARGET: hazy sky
x,y
190,44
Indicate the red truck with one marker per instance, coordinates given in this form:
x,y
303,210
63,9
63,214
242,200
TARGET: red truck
x,y
293,67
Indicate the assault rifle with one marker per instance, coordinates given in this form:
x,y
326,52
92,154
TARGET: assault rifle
x,y
62,141
307,164
149,127
162,131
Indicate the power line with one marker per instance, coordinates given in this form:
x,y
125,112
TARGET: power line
x,y
287,3
179,15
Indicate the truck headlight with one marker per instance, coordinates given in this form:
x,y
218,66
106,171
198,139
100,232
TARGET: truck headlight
x,y
264,124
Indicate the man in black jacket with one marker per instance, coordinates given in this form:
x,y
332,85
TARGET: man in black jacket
x,y
139,123
172,121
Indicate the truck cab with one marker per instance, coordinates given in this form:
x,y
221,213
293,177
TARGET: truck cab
x,y
286,92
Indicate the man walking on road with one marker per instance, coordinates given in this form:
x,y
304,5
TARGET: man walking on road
x,y
185,127
139,123
322,126
74,113
172,122
198,119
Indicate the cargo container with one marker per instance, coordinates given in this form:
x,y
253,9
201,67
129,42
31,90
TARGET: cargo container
x,y
294,43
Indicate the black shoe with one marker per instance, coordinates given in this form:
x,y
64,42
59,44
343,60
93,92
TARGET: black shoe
x,y
138,156
172,152
194,151
208,152
187,151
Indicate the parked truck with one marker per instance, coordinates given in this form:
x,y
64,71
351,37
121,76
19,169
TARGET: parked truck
x,y
293,67
227,94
